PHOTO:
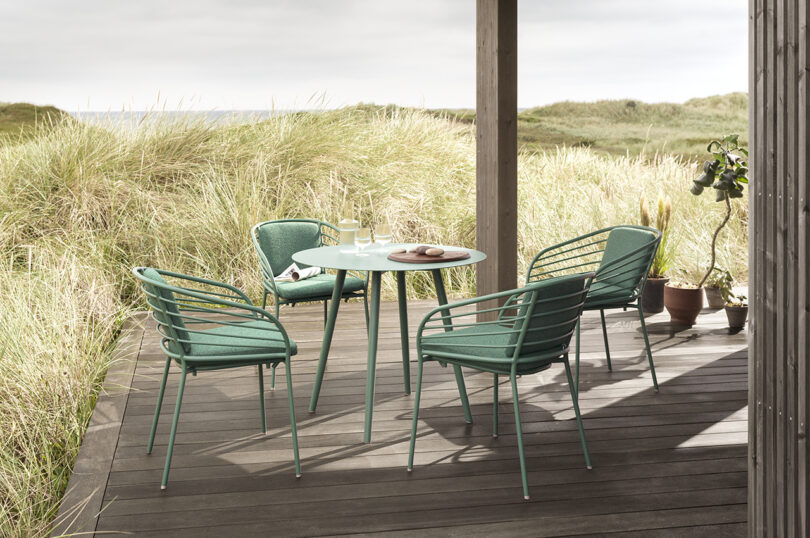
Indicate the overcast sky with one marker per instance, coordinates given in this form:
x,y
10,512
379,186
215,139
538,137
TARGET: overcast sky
x,y
256,54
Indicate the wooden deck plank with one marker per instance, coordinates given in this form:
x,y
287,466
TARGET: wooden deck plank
x,y
665,464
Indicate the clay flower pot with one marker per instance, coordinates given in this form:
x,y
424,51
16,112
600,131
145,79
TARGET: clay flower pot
x,y
683,304
714,298
736,314
652,296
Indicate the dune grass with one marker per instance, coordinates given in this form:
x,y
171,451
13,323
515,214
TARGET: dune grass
x,y
81,204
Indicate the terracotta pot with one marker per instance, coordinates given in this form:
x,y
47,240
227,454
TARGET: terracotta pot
x,y
714,298
683,304
736,314
652,296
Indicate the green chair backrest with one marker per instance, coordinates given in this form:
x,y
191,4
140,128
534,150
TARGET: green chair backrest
x,y
164,304
280,239
557,305
628,253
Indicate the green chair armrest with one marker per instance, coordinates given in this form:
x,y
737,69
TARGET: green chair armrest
x,y
444,310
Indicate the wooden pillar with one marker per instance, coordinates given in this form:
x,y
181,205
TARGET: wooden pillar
x,y
496,144
779,240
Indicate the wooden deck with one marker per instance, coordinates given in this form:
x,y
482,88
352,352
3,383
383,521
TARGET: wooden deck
x,y
667,464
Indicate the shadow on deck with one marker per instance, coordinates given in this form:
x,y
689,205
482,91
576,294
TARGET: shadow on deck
x,y
665,464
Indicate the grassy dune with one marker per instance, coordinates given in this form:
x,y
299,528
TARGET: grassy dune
x,y
81,204
632,127
19,121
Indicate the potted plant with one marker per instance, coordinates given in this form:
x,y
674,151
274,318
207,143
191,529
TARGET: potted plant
x,y
652,296
719,281
726,174
736,307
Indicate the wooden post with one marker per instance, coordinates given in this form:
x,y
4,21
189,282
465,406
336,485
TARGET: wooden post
x,y
496,143
779,241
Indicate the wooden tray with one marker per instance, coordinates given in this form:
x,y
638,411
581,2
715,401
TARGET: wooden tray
x,y
413,257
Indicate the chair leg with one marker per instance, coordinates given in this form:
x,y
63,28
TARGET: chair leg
x,y
579,418
158,406
576,382
264,300
261,398
462,392
647,345
416,399
174,429
495,406
605,336
273,373
325,311
293,428
519,430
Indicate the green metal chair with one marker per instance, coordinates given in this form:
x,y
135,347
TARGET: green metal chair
x,y
208,325
276,241
532,331
621,257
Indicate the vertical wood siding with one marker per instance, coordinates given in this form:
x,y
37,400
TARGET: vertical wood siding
x,y
779,273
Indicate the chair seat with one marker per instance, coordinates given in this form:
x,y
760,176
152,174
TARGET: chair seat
x,y
317,286
451,346
603,293
247,340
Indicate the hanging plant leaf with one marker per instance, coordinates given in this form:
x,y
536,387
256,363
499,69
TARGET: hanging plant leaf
x,y
712,144
697,188
705,180
720,196
709,171
728,175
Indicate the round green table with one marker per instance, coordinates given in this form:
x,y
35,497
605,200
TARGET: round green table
x,y
344,258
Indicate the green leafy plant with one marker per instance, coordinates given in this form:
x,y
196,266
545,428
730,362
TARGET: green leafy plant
x,y
665,254
724,281
726,174
735,299
720,279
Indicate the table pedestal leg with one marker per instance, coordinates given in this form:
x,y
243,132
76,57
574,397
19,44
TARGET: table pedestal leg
x,y
328,330
448,326
403,330
373,329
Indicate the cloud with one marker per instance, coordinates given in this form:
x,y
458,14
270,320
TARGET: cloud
x,y
252,54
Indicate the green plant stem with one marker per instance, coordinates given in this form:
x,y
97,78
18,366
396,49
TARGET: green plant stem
x,y
714,241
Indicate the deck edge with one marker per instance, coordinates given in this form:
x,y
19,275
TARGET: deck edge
x,y
82,502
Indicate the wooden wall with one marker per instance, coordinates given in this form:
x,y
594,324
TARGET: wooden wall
x,y
496,143
779,272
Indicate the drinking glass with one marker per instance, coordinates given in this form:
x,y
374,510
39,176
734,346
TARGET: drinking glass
x,y
382,235
362,239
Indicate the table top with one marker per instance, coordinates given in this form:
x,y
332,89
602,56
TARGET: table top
x,y
344,257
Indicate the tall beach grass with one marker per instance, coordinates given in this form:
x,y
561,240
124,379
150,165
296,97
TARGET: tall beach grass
x,y
81,204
